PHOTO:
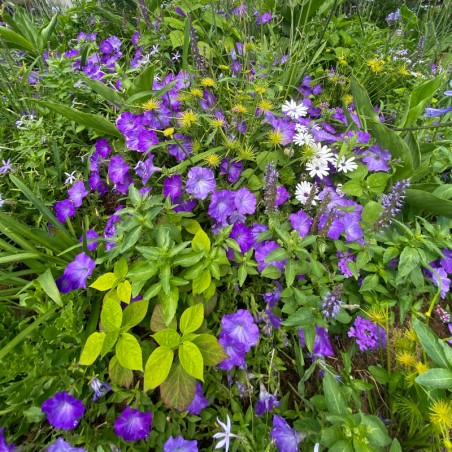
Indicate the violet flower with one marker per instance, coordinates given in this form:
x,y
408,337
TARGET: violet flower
x,y
199,402
286,438
76,274
243,236
64,210
60,445
99,388
4,446
91,239
245,201
63,411
77,192
266,401
221,205
200,182
369,335
301,223
133,425
180,444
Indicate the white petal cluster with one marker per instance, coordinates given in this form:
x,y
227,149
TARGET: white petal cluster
x,y
303,190
345,165
294,110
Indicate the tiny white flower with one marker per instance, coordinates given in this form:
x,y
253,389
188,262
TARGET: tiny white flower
x,y
324,153
71,178
303,138
294,110
344,165
154,50
175,56
1,201
318,167
301,128
226,435
303,191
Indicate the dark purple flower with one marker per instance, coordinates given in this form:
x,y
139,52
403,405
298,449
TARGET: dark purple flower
x,y
117,169
263,249
273,297
282,195
182,148
245,201
200,182
146,169
97,183
180,444
240,327
232,169
76,274
199,402
322,344
133,425
286,438
77,192
235,350
378,159
64,210
266,401
103,148
146,139
63,411
127,122
110,45
172,187
369,335
60,445
4,446
257,229
99,388
264,18
221,205
301,223
91,239
135,38
243,236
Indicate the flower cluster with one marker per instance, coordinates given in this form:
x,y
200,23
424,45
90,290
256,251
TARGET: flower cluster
x,y
76,274
369,335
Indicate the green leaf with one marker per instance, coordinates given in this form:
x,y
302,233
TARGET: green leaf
x,y
169,302
104,91
129,353
211,350
142,82
104,282
124,291
409,260
271,272
191,319
377,182
429,202
158,320
158,367
96,122
429,343
201,282
178,390
167,338
92,349
371,212
369,283
134,313
377,434
191,360
353,187
15,41
164,277
109,342
119,374
395,446
153,291
201,242
177,38
335,401
50,288
111,315
380,374
121,268
187,258
436,378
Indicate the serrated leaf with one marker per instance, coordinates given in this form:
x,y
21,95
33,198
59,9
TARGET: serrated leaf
x,y
409,260
124,290
134,313
109,342
104,282
158,367
191,319
111,315
158,320
129,353
92,349
167,338
201,242
121,268
211,350
119,374
178,390
191,360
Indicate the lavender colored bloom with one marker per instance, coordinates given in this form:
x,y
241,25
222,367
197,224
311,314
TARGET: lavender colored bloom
x,y
264,18
146,169
76,273
245,201
282,195
145,140
135,38
117,169
256,230
243,236
63,411
103,148
199,402
439,278
133,425
392,203
432,112
392,17
77,192
273,297
331,304
6,167
301,223
343,261
270,187
263,249
240,10
235,350
97,183
444,316
4,446
322,344
286,438
369,335
200,182
378,159
172,187
180,444
110,45
99,388
221,205
127,122
232,169
64,210
266,401
60,445
91,239
240,327
182,148
446,261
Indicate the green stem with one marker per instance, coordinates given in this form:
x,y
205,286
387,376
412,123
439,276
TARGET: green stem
x,y
94,316
412,129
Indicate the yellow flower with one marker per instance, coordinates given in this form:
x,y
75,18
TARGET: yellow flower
x,y
347,99
169,132
376,66
260,90
377,316
217,122
421,367
275,137
403,70
406,359
342,60
239,108
207,82
264,105
213,160
187,118
151,104
246,153
196,92
410,335
441,414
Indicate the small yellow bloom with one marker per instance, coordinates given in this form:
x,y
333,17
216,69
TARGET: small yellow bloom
x,y
239,108
410,335
169,132
403,71
246,153
421,368
342,60
347,99
217,122
275,137
264,105
187,118
223,67
406,359
441,414
377,316
196,92
207,82
213,160
151,104
260,90
376,66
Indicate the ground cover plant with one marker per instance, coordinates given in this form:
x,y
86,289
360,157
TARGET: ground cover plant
x,y
226,225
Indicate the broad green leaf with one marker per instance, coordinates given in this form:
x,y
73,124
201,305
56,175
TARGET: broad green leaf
x,y
158,367
409,260
143,82
110,95
271,272
50,288
371,212
158,320
178,390
377,433
96,122
191,319
277,255
169,302
164,277
111,315
45,33
436,378
377,182
92,349
14,40
395,446
153,291
177,38
353,187
202,282
121,268
429,202
104,282
124,290
134,313
201,242
119,374
335,401
211,350
191,360
192,226
167,338
109,342
429,342
129,353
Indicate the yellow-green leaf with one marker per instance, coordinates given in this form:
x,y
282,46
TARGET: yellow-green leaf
x,y
111,315
158,367
201,242
124,291
129,353
121,268
191,360
92,349
104,282
192,318
202,282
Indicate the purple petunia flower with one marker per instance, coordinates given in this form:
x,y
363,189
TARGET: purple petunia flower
x,y
200,182
117,169
64,210
221,205
103,148
266,401
182,148
146,169
4,446
273,297
60,445
322,344
378,159
245,201
439,278
91,238
243,236
301,223
199,402
76,274
282,195
286,438
240,327
99,388
133,425
172,187
264,18
63,411
180,444
446,261
235,350
77,192
369,335
232,169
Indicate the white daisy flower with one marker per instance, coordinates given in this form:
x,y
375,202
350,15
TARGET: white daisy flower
x,y
318,167
294,110
302,138
345,165
301,128
324,153
303,191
